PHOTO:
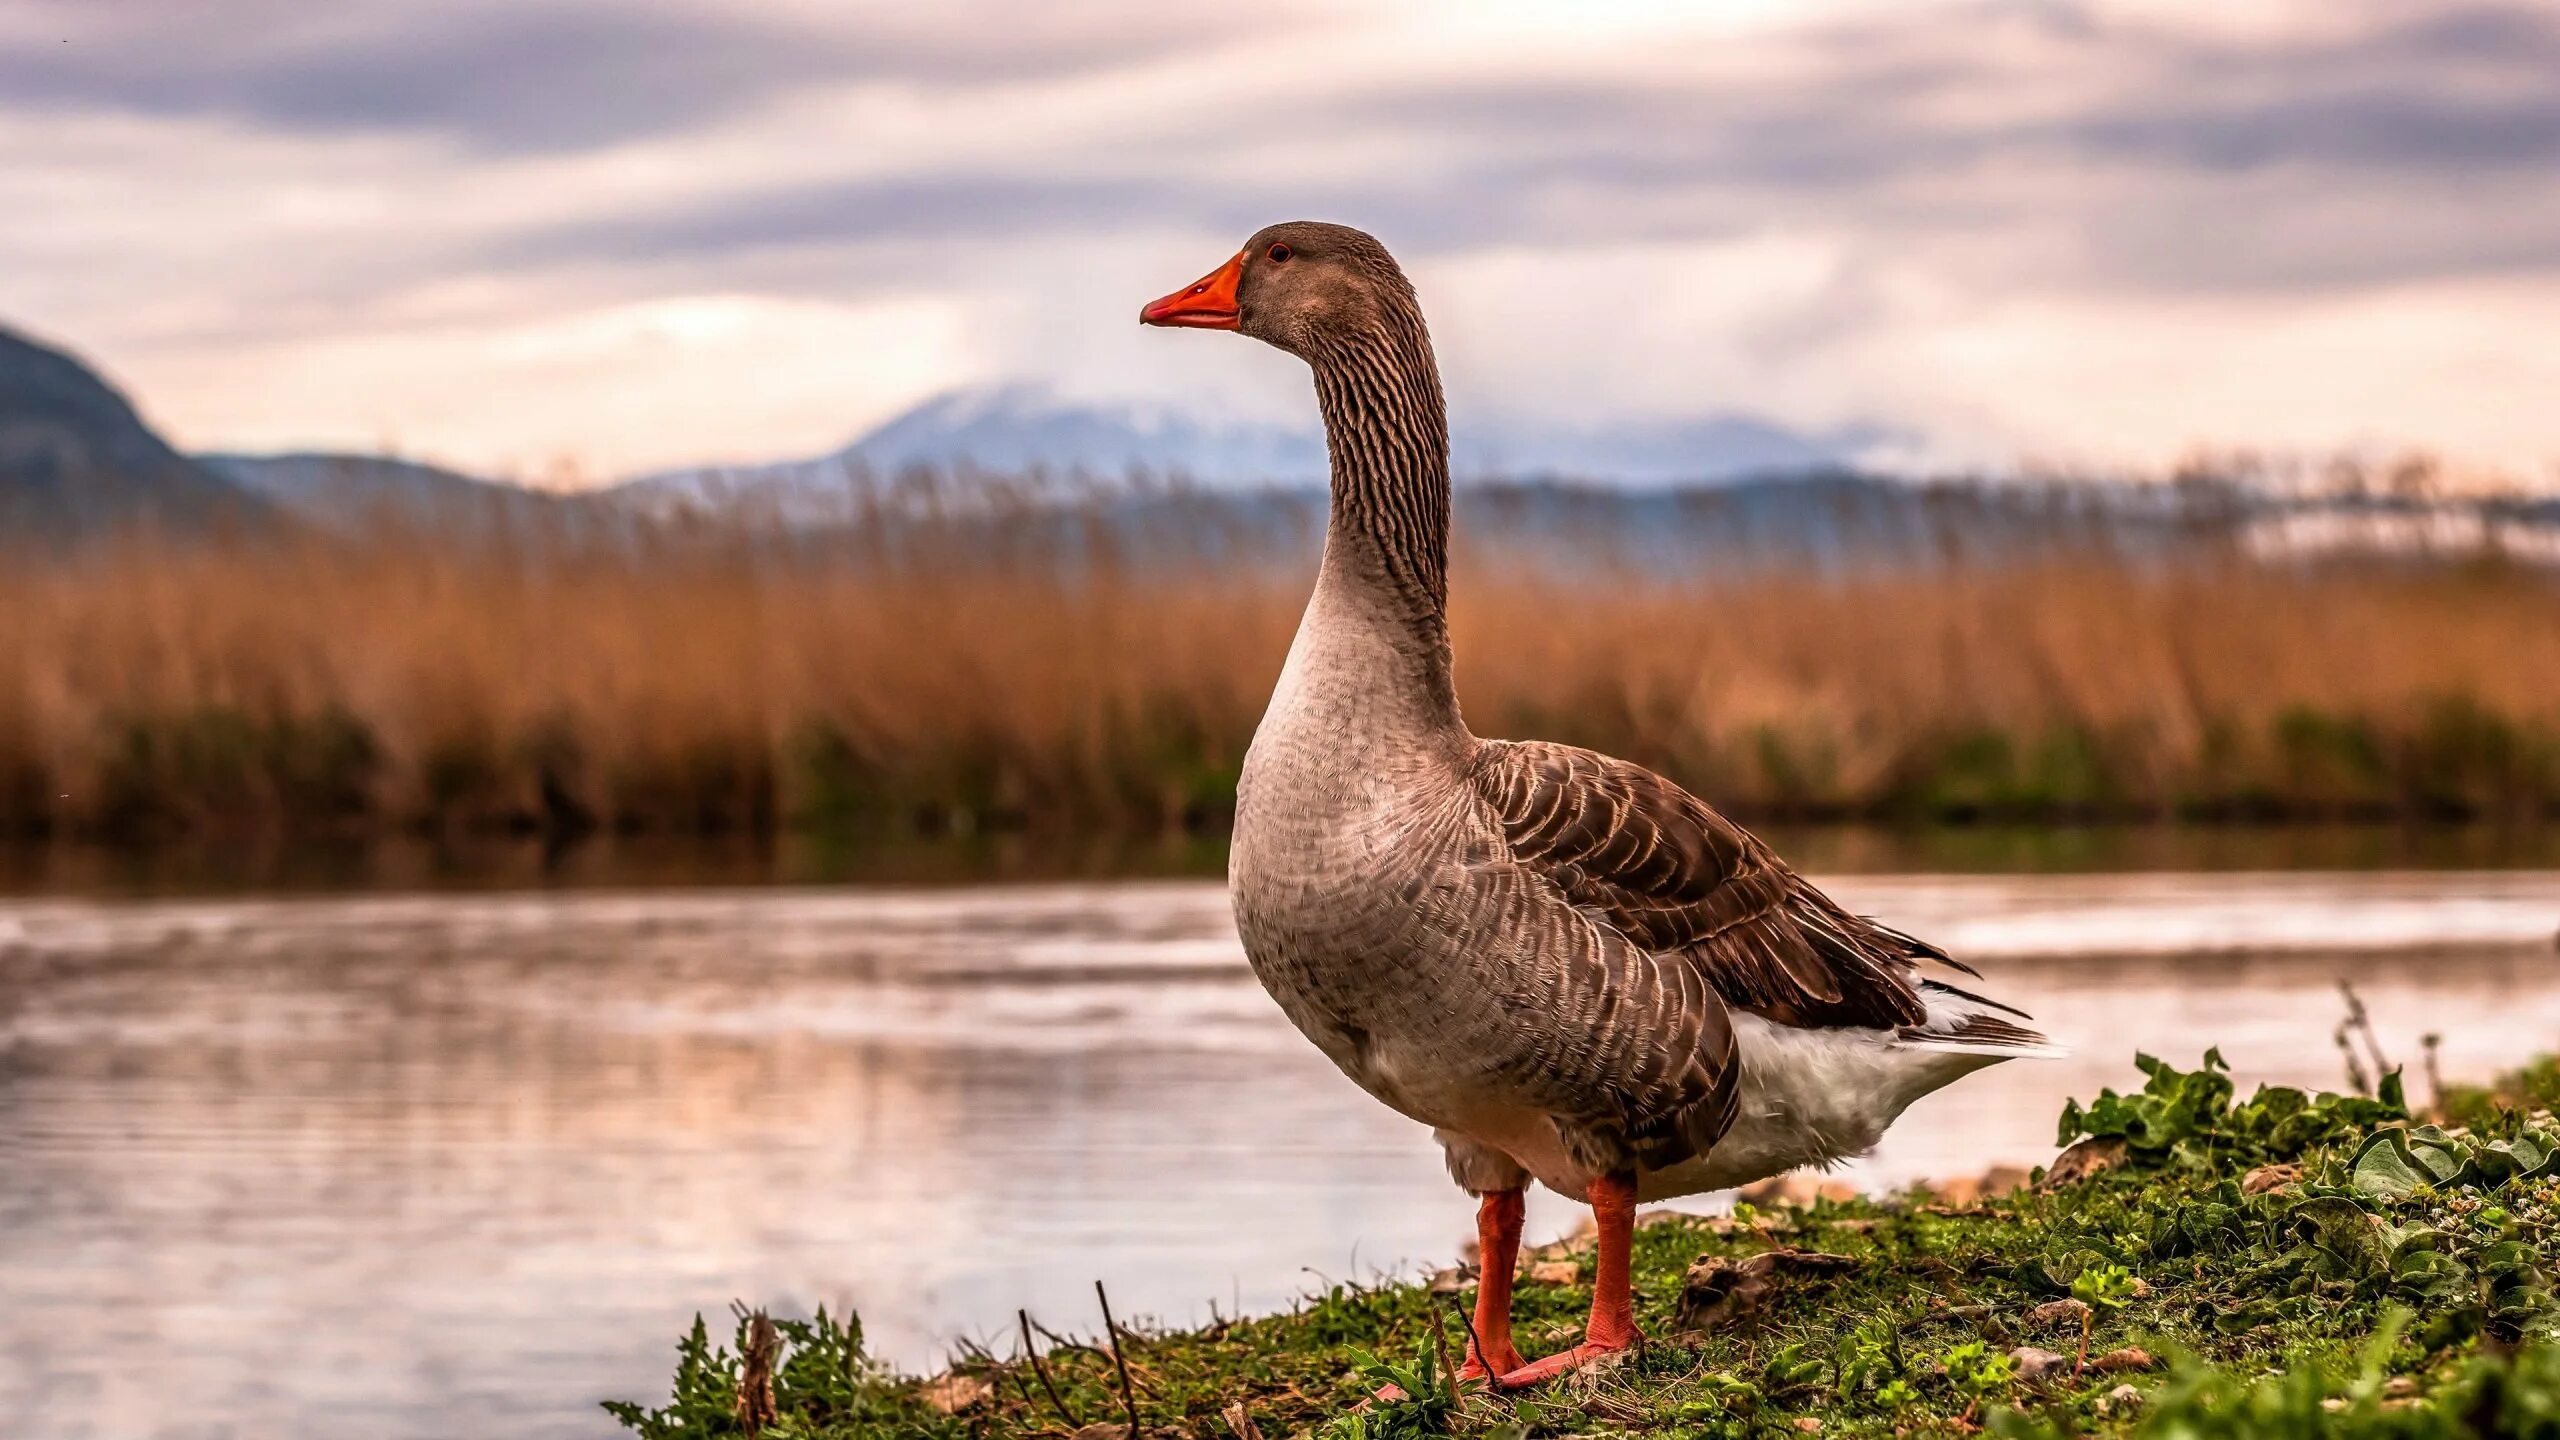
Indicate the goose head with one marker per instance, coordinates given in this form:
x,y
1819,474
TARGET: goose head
x,y
1295,285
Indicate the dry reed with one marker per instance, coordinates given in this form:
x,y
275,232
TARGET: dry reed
x,y
705,679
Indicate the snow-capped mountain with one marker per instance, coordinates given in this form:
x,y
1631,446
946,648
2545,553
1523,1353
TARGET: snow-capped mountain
x,y
999,430
1017,429
1009,429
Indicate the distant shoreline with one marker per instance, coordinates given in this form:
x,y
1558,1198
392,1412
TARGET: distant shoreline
x,y
404,863
987,674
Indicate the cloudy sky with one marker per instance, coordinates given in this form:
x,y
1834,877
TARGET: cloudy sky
x,y
555,236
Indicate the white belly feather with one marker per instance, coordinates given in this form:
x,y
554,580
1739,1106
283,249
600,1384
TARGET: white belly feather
x,y
1808,1098
1818,1097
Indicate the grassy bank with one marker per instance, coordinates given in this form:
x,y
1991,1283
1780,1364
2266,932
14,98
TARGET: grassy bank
x,y
728,679
2283,1266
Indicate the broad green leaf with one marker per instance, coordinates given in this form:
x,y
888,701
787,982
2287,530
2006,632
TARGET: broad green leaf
x,y
2385,1168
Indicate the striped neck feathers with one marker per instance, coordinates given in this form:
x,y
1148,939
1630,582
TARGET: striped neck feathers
x,y
1387,435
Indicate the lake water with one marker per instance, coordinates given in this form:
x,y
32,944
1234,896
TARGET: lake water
x,y
445,1165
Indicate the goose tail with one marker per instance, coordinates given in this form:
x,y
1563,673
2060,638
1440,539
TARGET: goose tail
x,y
1962,1023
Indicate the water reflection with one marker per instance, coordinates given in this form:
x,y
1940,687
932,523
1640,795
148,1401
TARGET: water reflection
x,y
232,865
463,1164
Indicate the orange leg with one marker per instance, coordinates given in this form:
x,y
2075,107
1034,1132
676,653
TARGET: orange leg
x,y
1498,1220
1612,1327
1498,1251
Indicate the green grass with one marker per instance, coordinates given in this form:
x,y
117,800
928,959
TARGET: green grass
x,y
2399,1283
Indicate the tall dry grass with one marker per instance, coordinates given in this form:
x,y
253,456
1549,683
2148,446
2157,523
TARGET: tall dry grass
x,y
704,678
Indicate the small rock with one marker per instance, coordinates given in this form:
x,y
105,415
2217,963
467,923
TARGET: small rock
x,y
2123,1362
1797,1188
2123,1397
1967,1190
2399,1387
954,1393
2083,1160
1772,1191
1449,1281
1552,1272
2005,1179
2269,1177
2059,1312
2038,1366
2333,1404
1956,1193
1807,1423
2141,1288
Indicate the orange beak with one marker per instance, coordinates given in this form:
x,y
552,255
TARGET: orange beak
x,y
1208,303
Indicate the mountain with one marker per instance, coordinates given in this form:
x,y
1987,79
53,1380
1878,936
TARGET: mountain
x,y
1015,429
75,458
1009,429
347,493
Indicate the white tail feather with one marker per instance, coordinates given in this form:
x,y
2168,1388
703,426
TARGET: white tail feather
x,y
1962,1024
1990,1049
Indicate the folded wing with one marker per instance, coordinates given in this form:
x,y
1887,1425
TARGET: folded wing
x,y
1644,857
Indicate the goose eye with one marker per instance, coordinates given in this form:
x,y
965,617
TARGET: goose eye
x,y
1278,252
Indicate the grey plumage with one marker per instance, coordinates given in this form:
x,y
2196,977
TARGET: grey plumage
x,y
1540,951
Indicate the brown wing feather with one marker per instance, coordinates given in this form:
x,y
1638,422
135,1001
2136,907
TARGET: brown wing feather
x,y
1654,862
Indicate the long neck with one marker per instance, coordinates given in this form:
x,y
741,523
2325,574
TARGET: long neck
x,y
1386,551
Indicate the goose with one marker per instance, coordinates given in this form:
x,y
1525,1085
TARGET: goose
x,y
1569,967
